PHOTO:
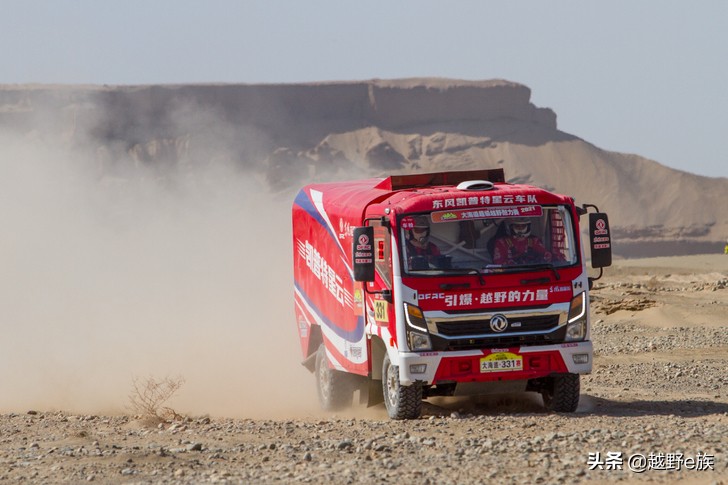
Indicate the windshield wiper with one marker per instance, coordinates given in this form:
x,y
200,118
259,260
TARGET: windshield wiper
x,y
452,286
550,266
521,267
481,280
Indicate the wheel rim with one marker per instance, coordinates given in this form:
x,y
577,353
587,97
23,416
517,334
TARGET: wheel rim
x,y
324,383
392,386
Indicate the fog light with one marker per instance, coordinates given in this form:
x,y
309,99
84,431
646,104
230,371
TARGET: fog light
x,y
581,358
418,368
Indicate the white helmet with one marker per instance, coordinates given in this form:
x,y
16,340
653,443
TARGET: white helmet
x,y
519,228
420,232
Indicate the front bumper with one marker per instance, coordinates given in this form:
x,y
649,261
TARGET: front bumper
x,y
464,366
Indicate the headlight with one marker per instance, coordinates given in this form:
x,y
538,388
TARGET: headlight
x,y
576,324
418,336
418,341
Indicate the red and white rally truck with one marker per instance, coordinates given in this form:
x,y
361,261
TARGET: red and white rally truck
x,y
442,284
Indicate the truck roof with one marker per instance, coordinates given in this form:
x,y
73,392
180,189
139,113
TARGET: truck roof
x,y
425,193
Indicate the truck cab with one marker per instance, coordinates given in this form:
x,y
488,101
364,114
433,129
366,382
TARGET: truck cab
x,y
453,283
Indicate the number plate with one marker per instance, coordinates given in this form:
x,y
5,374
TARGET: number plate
x,y
381,311
501,362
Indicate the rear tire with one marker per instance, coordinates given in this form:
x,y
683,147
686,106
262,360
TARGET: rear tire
x,y
562,396
402,402
335,389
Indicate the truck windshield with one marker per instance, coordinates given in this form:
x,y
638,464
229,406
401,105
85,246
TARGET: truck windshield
x,y
471,240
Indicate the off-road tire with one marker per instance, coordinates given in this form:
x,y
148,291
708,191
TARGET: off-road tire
x,y
335,389
563,395
402,402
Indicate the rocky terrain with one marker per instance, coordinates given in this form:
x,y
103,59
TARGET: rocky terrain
x,y
654,410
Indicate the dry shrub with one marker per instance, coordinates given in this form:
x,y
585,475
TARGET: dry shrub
x,y
148,396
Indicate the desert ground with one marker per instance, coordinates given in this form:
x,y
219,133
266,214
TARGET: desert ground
x,y
655,410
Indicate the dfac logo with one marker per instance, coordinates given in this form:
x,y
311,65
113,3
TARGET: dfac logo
x,y
498,323
601,228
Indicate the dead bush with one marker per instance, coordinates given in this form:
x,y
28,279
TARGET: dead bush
x,y
148,396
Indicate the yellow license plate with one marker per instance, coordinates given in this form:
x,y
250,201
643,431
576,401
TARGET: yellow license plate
x,y
501,362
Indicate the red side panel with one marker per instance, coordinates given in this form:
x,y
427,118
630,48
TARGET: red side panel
x,y
323,284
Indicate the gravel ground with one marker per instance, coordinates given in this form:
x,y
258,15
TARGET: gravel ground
x,y
658,392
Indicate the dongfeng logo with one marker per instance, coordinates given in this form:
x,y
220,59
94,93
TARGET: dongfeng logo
x,y
498,323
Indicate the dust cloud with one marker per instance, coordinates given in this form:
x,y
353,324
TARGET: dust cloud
x,y
113,275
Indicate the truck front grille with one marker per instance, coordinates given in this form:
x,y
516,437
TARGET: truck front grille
x,y
536,323
481,342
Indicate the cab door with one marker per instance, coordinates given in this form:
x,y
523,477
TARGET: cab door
x,y
381,288
378,295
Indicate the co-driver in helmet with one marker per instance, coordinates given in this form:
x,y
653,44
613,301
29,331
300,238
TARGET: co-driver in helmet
x,y
519,246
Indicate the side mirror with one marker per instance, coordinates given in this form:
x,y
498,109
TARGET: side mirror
x,y
600,240
363,253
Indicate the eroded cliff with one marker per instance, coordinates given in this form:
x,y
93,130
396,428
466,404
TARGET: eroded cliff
x,y
287,135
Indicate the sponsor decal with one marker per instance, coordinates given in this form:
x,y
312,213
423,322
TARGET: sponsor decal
x,y
323,271
454,202
488,212
559,288
345,229
408,223
302,327
364,253
486,298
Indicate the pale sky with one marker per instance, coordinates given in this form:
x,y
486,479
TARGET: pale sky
x,y
644,77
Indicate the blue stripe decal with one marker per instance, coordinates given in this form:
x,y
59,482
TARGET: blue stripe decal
x,y
305,202
351,336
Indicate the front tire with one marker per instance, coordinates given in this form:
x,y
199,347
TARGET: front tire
x,y
402,402
562,396
335,391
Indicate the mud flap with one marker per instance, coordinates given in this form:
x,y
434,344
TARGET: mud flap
x,y
371,393
310,362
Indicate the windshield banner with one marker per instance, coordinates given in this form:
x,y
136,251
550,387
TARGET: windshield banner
x,y
487,212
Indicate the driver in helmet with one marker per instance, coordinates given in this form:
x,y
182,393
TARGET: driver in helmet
x,y
422,253
519,246
418,241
